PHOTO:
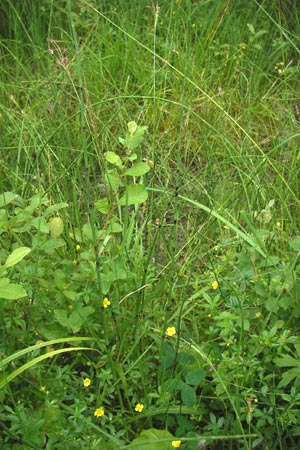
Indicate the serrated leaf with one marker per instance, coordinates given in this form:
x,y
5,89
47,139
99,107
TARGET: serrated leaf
x,y
12,291
134,194
16,256
114,159
138,169
56,227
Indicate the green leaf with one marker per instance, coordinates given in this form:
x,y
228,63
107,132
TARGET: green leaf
x,y
287,361
12,291
102,205
134,194
114,159
113,179
54,208
56,227
10,197
138,169
272,304
52,244
295,243
16,256
152,439
188,396
195,377
172,386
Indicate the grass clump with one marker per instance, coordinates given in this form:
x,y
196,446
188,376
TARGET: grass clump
x,y
149,277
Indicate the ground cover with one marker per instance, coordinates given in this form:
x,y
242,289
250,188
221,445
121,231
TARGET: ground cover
x,y
149,223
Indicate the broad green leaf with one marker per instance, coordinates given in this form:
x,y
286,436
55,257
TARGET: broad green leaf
x,y
173,385
12,291
138,169
10,197
52,244
114,159
56,227
54,208
295,243
152,439
132,127
188,395
195,377
16,256
134,194
102,205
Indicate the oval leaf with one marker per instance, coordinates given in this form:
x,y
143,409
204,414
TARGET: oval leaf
x,y
188,396
16,256
195,377
138,169
114,159
134,194
56,227
12,291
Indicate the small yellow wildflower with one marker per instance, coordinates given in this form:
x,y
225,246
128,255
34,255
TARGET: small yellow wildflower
x,y
258,315
215,285
86,382
106,302
278,223
171,331
99,412
176,444
77,248
139,407
43,388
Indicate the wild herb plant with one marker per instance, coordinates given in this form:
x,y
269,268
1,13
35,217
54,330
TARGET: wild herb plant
x,y
149,276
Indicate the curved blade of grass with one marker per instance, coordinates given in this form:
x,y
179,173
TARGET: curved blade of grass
x,y
239,232
40,345
34,361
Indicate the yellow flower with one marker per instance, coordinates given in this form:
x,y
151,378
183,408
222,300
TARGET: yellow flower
x,y
171,331
215,284
43,388
176,444
258,315
99,412
139,407
278,223
77,248
86,382
106,302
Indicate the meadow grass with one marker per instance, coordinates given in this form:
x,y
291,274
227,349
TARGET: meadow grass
x,y
150,165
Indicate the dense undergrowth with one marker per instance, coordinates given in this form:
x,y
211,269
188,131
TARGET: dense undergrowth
x,y
149,223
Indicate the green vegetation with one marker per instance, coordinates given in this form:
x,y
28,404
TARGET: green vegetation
x,y
150,225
